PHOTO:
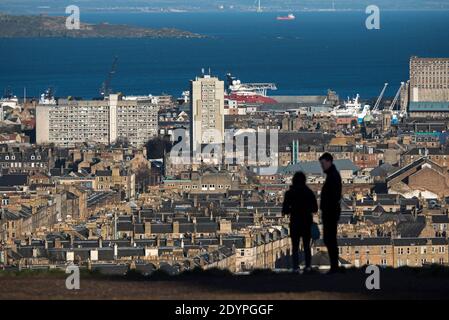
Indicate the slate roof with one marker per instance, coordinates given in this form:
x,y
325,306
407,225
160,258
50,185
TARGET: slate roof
x,y
125,226
383,170
374,241
131,252
11,180
161,228
314,167
186,227
238,242
103,173
409,229
440,218
419,241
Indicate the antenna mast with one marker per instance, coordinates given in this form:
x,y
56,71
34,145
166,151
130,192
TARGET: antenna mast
x,y
259,7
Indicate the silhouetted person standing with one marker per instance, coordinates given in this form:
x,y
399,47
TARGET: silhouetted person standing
x,y
330,208
300,203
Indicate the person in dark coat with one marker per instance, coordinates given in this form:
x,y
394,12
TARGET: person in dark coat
x,y
330,208
300,203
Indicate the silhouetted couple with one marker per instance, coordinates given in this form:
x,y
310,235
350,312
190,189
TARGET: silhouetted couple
x,y
300,203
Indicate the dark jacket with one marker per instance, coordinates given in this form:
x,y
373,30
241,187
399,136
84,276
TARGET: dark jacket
x,y
300,203
331,195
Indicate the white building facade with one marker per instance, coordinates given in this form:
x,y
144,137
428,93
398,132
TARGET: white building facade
x,y
98,121
207,107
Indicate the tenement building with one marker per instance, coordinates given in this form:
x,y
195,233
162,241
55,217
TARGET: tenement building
x,y
100,121
412,252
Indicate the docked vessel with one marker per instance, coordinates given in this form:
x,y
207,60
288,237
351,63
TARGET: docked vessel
x,y
9,100
290,16
352,108
48,97
249,93
185,98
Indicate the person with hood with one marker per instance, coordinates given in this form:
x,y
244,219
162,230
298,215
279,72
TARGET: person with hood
x,y
300,204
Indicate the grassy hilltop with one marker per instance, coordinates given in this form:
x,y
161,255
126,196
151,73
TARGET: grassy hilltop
x,y
402,283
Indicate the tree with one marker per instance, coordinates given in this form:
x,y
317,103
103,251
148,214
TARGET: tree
x,y
142,178
121,142
157,146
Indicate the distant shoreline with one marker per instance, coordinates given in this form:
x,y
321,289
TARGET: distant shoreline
x,y
45,26
59,12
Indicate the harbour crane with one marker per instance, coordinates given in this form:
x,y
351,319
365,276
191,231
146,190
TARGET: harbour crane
x,y
105,89
376,106
396,97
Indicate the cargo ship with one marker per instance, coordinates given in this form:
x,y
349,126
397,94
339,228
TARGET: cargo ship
x,y
249,93
291,16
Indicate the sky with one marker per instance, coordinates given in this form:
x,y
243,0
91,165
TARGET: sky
x,y
42,6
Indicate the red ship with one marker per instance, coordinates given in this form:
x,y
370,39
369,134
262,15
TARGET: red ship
x,y
251,99
249,93
291,16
